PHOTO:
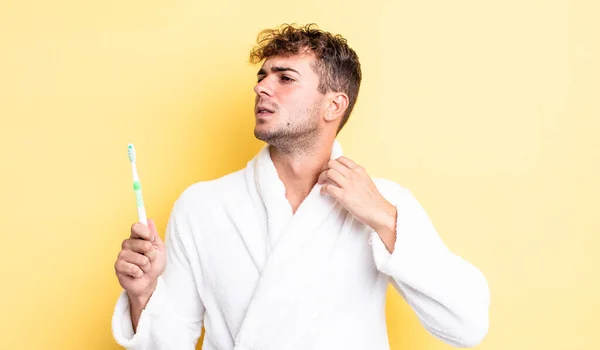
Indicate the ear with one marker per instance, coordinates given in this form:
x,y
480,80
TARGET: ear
x,y
336,107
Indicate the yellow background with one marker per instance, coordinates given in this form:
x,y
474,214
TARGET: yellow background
x,y
487,110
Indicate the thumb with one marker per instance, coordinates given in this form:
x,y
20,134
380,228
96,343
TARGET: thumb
x,y
155,236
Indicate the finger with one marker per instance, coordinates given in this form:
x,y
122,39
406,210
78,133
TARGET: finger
x,y
140,260
124,268
159,245
341,168
323,177
332,190
333,176
141,246
137,245
155,236
349,163
139,230
152,254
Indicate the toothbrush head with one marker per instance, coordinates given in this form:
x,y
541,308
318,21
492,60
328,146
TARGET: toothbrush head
x,y
131,152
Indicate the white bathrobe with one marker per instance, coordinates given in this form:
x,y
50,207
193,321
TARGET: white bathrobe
x,y
259,277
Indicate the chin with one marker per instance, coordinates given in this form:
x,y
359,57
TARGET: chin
x,y
261,132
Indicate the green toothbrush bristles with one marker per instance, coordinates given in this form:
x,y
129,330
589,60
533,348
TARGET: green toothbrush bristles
x,y
131,152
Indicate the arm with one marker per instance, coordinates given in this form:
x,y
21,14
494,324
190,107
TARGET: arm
x,y
172,317
449,295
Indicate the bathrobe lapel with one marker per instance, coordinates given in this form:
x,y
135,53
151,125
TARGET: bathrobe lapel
x,y
286,299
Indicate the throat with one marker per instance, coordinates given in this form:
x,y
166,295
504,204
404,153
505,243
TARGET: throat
x,y
295,197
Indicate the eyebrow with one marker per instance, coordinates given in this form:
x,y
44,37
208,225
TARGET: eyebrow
x,y
276,69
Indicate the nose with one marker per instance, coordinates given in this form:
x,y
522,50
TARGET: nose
x,y
263,88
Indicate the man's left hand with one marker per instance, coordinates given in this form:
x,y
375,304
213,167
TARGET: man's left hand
x,y
350,184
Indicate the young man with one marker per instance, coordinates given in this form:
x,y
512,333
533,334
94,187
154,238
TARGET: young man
x,y
296,250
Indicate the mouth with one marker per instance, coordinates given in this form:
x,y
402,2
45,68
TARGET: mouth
x,y
263,111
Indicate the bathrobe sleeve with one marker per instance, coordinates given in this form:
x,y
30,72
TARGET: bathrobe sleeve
x,y
173,316
449,295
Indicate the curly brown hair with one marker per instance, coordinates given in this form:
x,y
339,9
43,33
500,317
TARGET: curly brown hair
x,y
336,65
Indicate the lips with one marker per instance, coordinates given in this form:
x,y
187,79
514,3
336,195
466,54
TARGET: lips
x,y
263,111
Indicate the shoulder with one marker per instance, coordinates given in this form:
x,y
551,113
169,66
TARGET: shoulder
x,y
388,187
206,194
392,191
400,197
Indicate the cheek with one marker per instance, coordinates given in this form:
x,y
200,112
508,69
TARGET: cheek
x,y
297,100
284,97
288,103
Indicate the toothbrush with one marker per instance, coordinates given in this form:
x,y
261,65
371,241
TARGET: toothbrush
x,y
137,186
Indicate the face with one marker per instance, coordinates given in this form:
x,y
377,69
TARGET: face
x,y
288,106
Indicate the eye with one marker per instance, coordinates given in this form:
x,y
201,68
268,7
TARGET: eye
x,y
259,79
286,79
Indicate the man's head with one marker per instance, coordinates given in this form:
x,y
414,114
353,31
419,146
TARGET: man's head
x,y
308,84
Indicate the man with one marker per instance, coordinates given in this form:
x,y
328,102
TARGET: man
x,y
296,250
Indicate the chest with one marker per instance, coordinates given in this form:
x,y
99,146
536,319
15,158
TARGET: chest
x,y
234,257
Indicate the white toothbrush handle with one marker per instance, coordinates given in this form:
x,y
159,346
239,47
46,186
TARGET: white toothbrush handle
x,y
139,199
140,207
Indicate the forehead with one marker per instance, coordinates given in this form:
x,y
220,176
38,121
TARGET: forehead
x,y
301,62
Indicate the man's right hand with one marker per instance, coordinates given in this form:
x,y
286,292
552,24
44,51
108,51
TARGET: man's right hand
x,y
140,262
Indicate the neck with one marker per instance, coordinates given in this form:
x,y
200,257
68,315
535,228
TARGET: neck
x,y
299,169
